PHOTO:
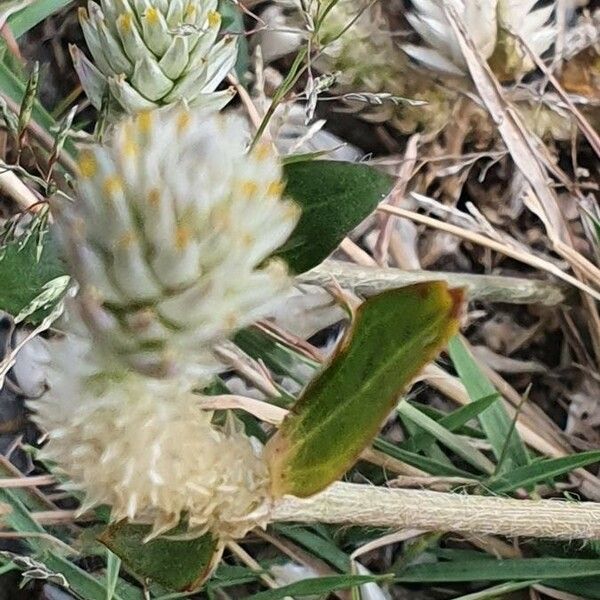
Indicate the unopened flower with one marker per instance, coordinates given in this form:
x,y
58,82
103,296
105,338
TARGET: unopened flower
x,y
493,26
170,236
144,447
154,53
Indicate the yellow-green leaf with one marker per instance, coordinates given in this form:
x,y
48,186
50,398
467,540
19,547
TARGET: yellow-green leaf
x,y
394,335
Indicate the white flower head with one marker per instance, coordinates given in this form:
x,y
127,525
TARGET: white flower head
x,y
170,236
150,53
144,447
491,25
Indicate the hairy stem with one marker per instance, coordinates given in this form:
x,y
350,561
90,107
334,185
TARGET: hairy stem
x,y
347,503
367,281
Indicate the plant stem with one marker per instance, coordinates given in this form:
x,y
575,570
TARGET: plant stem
x,y
355,504
367,281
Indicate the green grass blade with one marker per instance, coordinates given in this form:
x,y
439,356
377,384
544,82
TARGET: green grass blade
x,y
455,421
542,470
429,465
319,586
453,442
316,544
495,421
500,570
113,566
27,18
498,591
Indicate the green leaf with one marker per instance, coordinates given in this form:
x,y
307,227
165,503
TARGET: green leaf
x,y
179,565
394,335
27,18
319,586
32,276
500,570
541,470
334,197
496,423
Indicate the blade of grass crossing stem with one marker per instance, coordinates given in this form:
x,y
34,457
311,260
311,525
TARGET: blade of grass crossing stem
x,y
495,421
453,442
542,470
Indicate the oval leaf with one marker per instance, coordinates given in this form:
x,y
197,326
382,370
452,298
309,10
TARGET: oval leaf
x,y
179,565
395,334
335,197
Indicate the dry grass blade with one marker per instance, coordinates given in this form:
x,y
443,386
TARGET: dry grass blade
x,y
502,248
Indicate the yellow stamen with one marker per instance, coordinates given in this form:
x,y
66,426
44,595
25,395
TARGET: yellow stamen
x,y
127,240
112,185
249,188
125,22
183,120
144,121
214,18
262,151
154,197
130,149
182,237
87,164
152,16
275,188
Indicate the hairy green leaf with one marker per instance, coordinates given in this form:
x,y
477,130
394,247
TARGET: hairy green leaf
x,y
393,336
335,197
179,565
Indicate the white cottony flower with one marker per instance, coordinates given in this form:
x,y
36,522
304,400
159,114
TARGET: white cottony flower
x,y
151,53
491,25
144,447
170,236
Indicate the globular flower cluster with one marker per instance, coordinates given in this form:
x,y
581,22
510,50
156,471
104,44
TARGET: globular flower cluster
x,y
169,242
170,236
154,53
147,449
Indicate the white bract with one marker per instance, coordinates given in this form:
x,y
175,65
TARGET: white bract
x,y
146,448
490,23
149,53
170,236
